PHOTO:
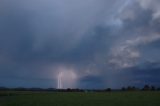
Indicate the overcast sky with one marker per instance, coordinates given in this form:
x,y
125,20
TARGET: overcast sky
x,y
84,43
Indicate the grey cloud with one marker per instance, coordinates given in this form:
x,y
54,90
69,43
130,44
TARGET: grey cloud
x,y
38,38
154,6
138,31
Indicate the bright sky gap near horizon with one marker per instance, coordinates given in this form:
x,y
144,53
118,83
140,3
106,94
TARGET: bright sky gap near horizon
x,y
79,43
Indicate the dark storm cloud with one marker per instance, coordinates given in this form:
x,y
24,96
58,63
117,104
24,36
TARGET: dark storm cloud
x,y
145,73
92,81
98,42
29,30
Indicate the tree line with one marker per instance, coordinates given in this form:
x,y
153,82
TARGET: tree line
x,y
129,88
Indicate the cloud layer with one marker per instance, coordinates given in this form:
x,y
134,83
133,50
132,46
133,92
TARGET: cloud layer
x,y
104,43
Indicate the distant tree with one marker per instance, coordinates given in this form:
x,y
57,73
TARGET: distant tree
x,y
129,88
20,89
123,89
158,89
134,88
3,88
69,90
146,88
50,89
153,88
108,89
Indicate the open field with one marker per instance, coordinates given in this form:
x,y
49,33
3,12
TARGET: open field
x,y
80,99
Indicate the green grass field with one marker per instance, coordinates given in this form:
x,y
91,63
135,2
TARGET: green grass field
x,y
80,99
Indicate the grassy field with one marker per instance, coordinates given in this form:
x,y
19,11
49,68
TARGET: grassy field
x,y
80,99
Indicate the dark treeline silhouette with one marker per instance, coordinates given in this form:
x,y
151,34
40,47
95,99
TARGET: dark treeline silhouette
x,y
129,88
145,88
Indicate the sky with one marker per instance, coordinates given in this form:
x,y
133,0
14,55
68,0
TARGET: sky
x,y
79,43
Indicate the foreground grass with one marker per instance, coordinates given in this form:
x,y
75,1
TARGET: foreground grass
x,y
80,99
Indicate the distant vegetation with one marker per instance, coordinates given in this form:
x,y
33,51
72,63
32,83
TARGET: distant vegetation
x,y
126,96
129,88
